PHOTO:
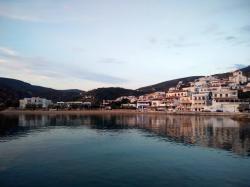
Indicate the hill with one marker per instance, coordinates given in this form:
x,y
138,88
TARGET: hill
x,y
112,93
246,71
163,86
11,90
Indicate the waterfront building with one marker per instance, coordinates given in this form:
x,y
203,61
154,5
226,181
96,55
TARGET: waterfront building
x,y
145,104
128,106
225,94
36,102
173,98
185,103
200,101
158,104
228,106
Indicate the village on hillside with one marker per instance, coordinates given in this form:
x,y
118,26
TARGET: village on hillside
x,y
205,94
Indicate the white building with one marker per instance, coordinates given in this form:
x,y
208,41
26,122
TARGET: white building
x,y
200,101
238,78
185,103
143,104
225,94
226,106
226,100
128,105
158,103
37,101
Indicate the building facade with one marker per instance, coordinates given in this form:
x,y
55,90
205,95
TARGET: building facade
x,y
35,102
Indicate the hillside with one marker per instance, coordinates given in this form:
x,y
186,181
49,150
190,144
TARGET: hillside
x,y
246,71
11,90
112,93
163,86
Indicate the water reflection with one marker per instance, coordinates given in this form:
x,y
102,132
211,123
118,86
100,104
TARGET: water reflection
x,y
216,132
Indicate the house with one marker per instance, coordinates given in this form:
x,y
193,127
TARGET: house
x,y
143,104
185,103
173,98
36,102
177,93
225,94
154,95
228,106
238,77
159,104
128,106
200,101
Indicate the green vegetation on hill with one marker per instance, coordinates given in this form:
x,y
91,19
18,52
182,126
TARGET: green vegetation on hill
x,y
12,90
112,93
163,86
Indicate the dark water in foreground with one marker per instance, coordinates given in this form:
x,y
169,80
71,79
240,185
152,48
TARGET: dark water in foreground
x,y
123,150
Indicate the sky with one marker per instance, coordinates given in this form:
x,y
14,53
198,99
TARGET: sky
x,y
81,44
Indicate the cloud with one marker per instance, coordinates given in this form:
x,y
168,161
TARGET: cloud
x,y
213,28
78,50
21,17
111,61
180,42
237,66
152,40
98,77
240,66
245,28
235,40
7,51
189,44
45,12
38,66
8,12
230,38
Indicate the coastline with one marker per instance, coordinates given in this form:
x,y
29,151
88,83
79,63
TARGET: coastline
x,y
124,111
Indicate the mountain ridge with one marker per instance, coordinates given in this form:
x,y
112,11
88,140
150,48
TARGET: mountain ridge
x,y
11,90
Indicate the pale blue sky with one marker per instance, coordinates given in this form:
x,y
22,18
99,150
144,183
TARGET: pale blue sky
x,y
89,44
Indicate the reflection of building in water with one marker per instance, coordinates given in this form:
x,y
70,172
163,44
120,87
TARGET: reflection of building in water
x,y
33,120
217,132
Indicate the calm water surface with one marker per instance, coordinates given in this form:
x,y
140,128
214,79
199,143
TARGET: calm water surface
x,y
123,150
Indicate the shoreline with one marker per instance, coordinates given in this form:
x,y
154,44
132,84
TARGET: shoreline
x,y
122,111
